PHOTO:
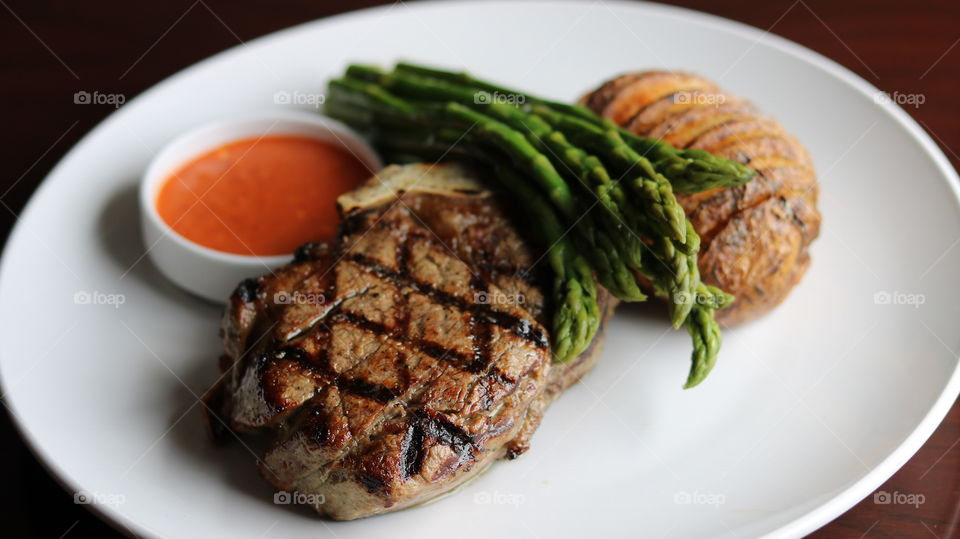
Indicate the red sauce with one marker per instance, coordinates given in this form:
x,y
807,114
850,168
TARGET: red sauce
x,y
263,196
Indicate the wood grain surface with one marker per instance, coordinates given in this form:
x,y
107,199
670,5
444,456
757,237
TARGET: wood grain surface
x,y
51,49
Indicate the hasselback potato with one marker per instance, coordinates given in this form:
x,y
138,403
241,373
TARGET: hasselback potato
x,y
756,237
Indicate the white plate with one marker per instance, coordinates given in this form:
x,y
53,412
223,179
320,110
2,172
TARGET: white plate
x,y
809,409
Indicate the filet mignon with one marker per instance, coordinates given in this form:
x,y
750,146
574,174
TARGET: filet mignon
x,y
402,360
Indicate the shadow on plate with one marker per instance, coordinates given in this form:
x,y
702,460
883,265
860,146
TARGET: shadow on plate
x,y
119,231
653,311
232,463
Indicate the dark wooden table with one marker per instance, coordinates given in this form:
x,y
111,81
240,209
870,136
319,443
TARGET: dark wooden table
x,y
50,49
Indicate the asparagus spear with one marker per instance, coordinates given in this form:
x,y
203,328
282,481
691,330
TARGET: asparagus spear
x,y
608,240
535,164
618,245
577,315
525,156
689,170
607,250
677,250
653,190
673,269
705,332
465,79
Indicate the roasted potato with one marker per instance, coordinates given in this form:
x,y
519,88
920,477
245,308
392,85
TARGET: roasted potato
x,y
756,237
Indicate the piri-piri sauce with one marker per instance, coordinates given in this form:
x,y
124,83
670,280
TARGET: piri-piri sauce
x,y
260,196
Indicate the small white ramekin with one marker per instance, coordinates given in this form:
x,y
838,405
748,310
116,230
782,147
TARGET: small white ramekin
x,y
203,271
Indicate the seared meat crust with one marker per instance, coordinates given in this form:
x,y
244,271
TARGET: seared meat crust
x,y
395,365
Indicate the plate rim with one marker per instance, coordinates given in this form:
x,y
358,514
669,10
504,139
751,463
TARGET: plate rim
x,y
809,521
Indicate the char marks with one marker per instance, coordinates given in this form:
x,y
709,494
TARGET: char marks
x,y
391,370
427,426
483,311
362,388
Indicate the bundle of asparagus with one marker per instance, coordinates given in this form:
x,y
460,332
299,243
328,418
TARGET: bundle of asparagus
x,y
613,191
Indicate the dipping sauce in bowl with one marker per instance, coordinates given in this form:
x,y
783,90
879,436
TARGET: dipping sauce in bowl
x,y
234,199
261,196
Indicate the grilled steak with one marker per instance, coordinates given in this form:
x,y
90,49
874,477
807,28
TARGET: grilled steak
x,y
399,362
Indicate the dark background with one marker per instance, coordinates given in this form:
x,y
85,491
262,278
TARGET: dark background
x,y
51,49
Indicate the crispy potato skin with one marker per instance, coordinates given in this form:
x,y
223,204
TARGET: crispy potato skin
x,y
756,237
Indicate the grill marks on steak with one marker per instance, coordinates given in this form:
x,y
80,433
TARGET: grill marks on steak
x,y
382,377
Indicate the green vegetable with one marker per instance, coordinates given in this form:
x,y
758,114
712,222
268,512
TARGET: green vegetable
x,y
655,195
607,250
576,316
524,155
689,170
673,266
574,172
613,249
465,79
705,332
